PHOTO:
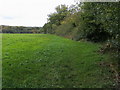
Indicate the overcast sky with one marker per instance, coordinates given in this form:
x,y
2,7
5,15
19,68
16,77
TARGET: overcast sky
x,y
28,12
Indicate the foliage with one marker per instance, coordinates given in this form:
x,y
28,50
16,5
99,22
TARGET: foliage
x,y
99,20
20,29
59,15
56,19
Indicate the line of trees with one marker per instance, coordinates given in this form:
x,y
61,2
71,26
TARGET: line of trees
x,y
93,21
20,29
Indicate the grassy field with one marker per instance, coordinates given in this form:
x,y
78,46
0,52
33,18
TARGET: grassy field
x,y
49,61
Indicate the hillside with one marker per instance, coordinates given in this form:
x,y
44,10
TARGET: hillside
x,y
49,61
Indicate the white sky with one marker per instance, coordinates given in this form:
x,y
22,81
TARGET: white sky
x,y
28,12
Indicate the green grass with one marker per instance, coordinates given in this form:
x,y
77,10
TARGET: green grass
x,y
49,61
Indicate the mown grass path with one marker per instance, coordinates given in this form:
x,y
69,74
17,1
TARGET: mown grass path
x,y
46,61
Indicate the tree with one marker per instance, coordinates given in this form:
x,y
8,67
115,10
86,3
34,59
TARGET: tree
x,y
59,15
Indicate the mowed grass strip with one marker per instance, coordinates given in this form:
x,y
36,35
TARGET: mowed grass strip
x,y
49,61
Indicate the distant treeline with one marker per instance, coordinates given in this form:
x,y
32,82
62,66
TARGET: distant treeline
x,y
19,29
